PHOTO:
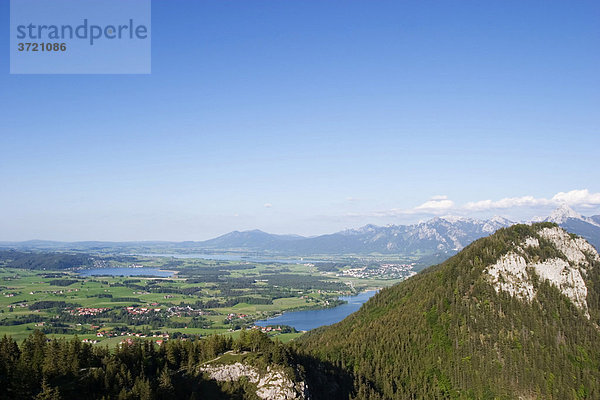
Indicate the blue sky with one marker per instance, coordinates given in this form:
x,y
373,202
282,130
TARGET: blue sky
x,y
310,117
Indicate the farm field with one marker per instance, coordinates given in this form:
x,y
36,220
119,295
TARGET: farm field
x,y
201,297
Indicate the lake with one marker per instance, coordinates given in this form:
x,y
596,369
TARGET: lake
x,y
311,319
126,271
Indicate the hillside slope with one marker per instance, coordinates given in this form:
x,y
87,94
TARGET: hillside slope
x,y
513,315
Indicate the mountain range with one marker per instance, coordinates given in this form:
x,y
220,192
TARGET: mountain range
x,y
439,238
440,234
444,235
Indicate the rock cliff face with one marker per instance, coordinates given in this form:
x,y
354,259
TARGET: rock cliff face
x,y
512,273
272,385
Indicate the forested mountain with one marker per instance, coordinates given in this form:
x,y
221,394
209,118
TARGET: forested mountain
x,y
513,315
254,239
49,261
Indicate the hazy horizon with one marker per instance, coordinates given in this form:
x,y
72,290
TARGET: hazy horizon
x,y
472,216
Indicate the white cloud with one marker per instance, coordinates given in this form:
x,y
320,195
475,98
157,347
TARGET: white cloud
x,y
268,205
435,205
508,202
581,198
574,198
441,204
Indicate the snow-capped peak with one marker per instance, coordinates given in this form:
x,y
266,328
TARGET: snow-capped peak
x,y
500,220
493,224
562,214
455,218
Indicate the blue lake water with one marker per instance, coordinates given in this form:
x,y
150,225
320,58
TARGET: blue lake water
x,y
125,271
311,319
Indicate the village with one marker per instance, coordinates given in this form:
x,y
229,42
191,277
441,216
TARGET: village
x,y
382,271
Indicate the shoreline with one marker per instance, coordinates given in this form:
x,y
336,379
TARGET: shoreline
x,y
265,320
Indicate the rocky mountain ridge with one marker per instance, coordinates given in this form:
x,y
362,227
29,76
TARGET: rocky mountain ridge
x,y
512,273
272,384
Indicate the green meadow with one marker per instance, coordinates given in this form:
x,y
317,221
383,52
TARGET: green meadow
x,y
202,297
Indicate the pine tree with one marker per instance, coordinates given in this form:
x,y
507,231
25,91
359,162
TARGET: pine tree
x,y
48,392
165,386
